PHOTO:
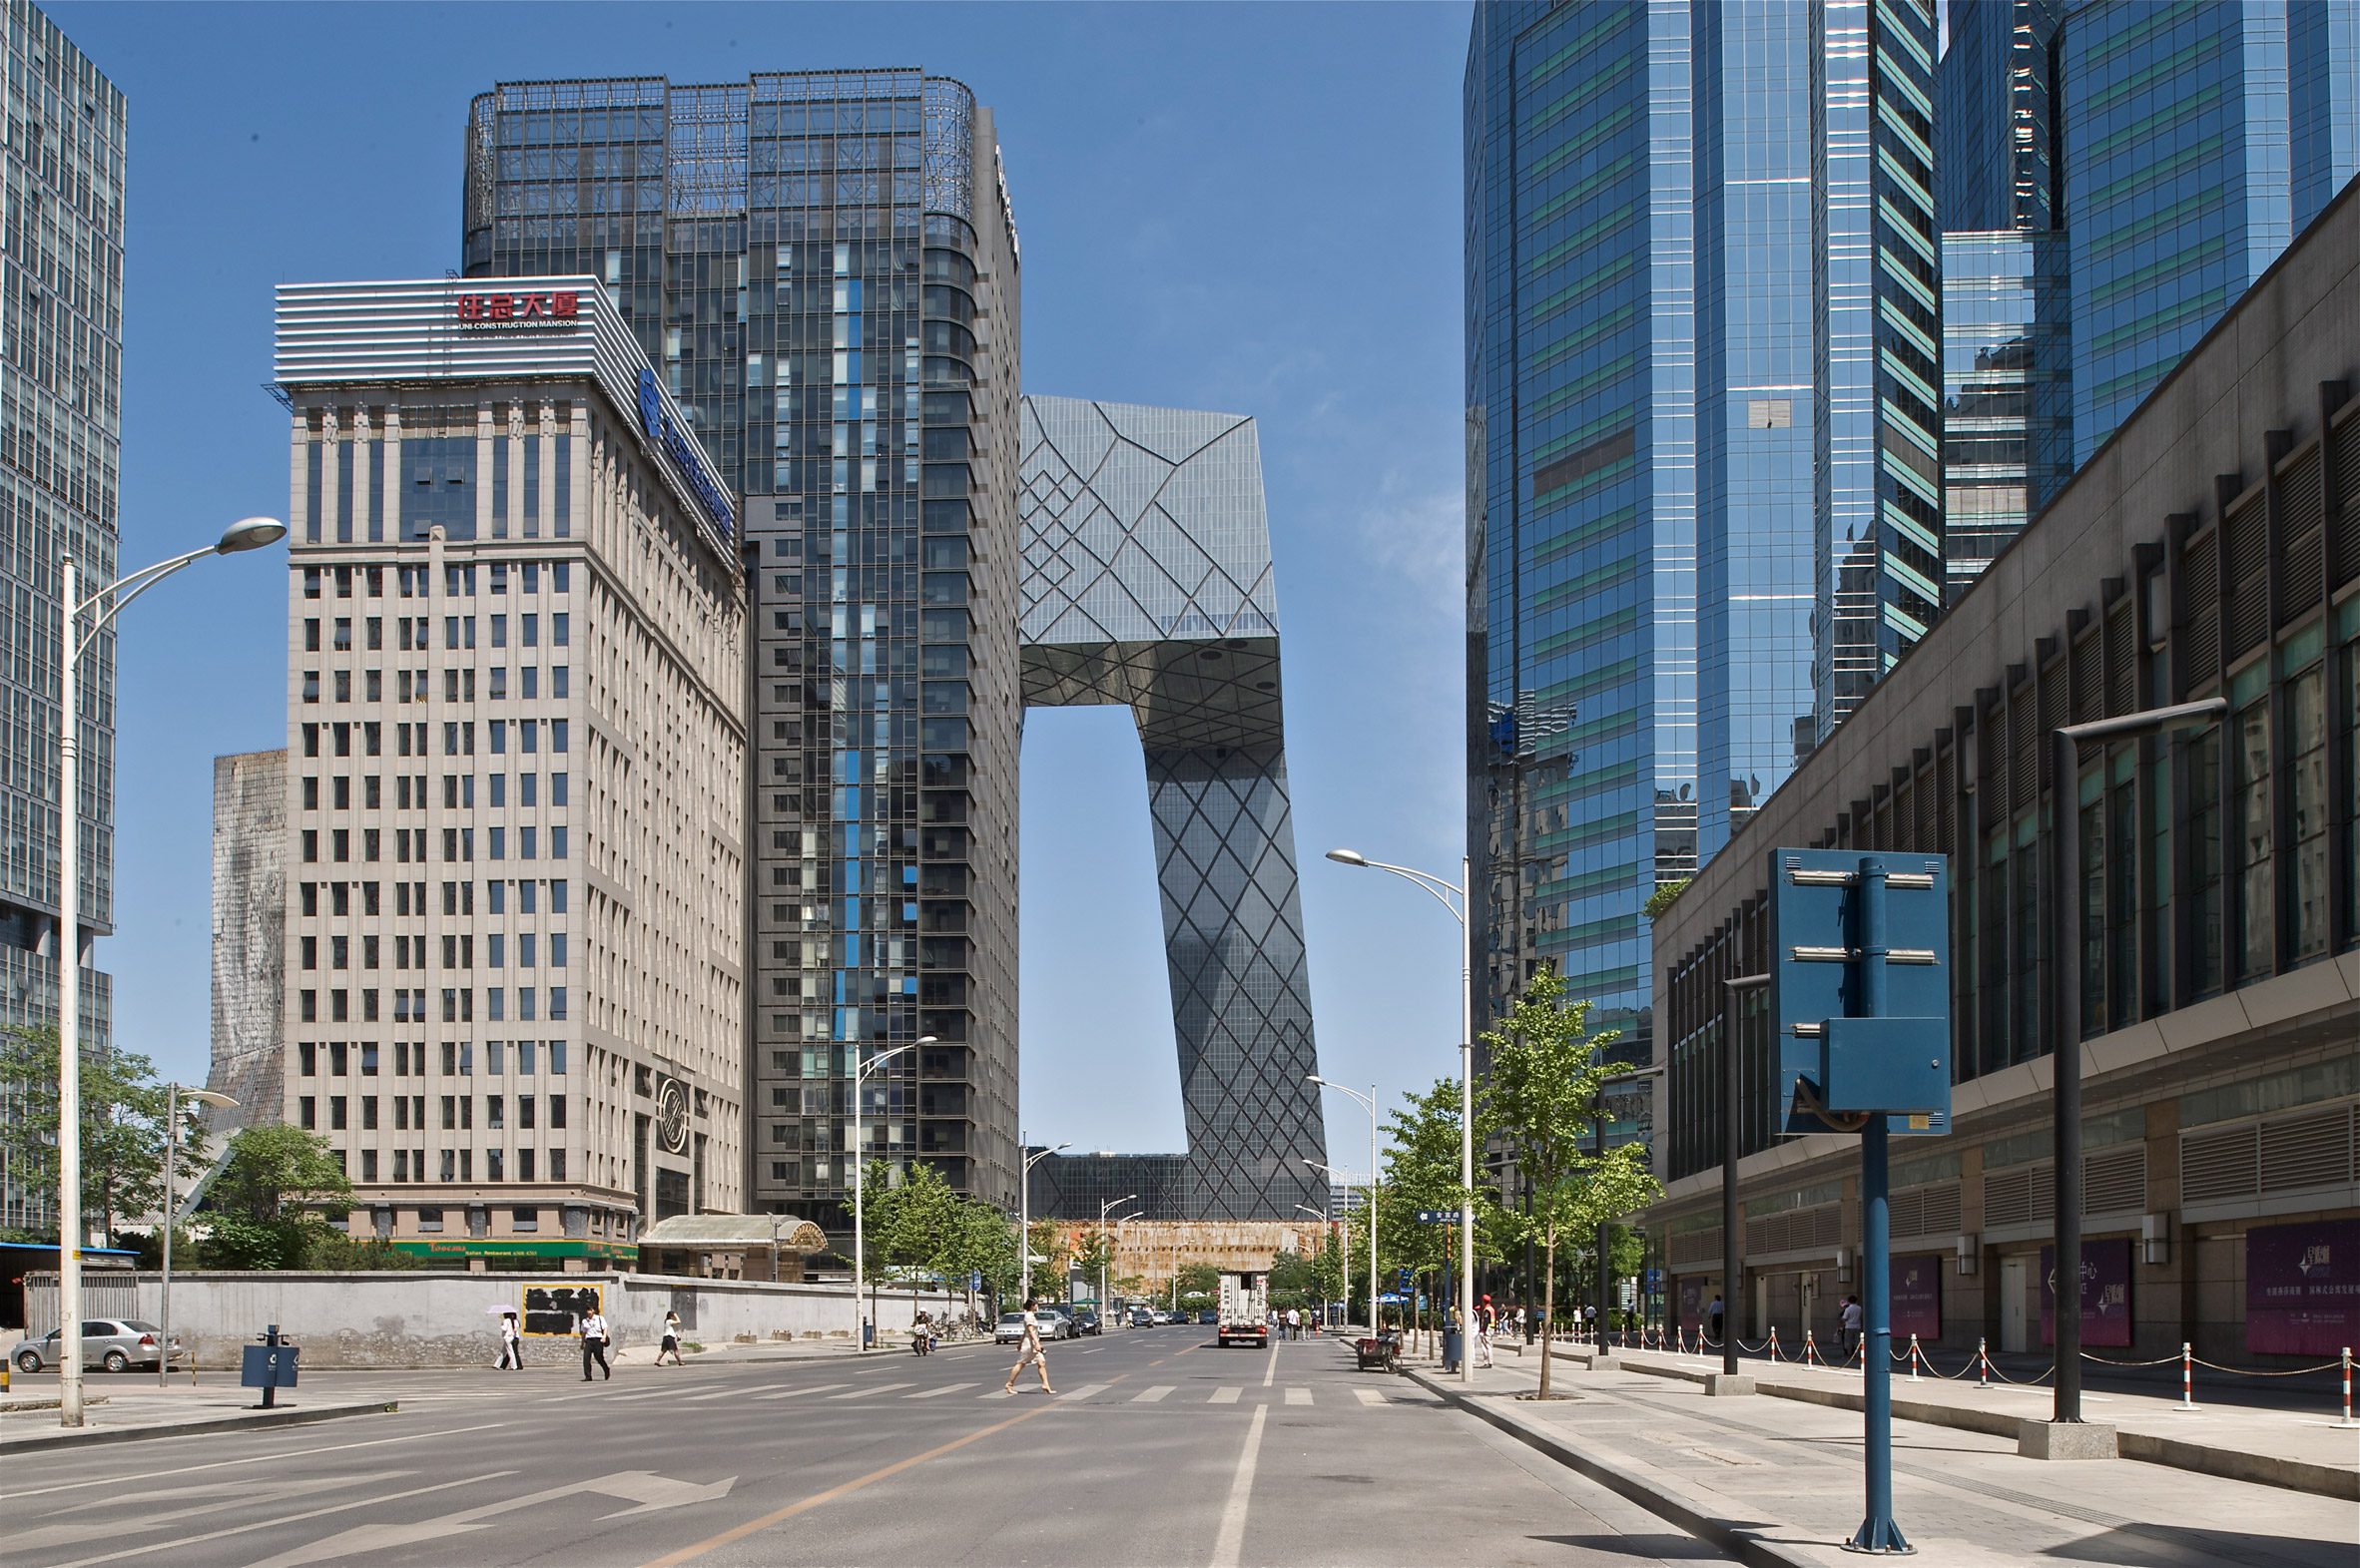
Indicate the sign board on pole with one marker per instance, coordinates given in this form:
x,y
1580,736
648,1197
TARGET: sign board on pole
x,y
1837,1057
1654,1280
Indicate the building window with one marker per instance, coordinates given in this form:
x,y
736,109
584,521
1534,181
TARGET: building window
x,y
430,1220
2306,765
2204,865
2256,895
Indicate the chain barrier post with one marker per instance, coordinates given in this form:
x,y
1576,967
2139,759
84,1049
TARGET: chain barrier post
x,y
2188,1377
2347,1423
1774,1356
1983,1364
1810,1348
1913,1357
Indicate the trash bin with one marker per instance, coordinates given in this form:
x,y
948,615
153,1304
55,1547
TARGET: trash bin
x,y
868,1333
1452,1349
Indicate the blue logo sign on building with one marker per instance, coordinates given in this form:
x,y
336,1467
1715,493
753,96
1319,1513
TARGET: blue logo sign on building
x,y
665,432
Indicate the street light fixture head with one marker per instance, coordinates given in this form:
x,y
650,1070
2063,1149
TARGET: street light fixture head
x,y
925,1039
1348,857
209,1097
249,533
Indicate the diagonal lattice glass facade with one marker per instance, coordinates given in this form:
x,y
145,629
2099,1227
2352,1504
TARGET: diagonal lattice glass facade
x,y
1147,583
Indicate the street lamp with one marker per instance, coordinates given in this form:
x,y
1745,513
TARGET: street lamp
x,y
2065,876
1732,1263
1368,1100
861,1072
1461,911
251,533
1105,1250
1024,1216
172,1203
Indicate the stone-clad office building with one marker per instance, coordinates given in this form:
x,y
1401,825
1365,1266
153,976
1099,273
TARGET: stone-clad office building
x,y
514,917
2210,548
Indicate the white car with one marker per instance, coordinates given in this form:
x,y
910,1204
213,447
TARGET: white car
x,y
1054,1325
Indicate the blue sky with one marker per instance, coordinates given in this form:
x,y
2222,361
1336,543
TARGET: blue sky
x,y
1251,209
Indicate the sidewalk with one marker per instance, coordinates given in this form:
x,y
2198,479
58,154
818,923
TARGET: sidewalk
x,y
1778,1483
2302,1450
28,1420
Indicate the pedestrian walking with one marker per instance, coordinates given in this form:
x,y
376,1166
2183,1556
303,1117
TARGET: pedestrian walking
x,y
1030,1352
511,1345
595,1337
1294,1323
1848,1326
671,1345
1712,1319
1485,1321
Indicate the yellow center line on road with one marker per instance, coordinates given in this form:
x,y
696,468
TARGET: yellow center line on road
x,y
729,1536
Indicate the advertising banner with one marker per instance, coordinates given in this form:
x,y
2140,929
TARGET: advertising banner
x,y
2302,1287
1917,1299
2106,1293
1691,1304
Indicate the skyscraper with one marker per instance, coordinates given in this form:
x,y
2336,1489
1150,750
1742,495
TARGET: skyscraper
x,y
61,368
2198,140
1704,500
823,268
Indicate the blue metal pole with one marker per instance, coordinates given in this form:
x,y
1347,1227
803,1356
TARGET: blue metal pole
x,y
1877,1532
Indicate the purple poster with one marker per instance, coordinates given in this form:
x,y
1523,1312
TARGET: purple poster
x,y
2106,1293
1691,1304
2302,1287
1916,1301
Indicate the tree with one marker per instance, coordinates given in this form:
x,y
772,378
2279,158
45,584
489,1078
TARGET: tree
x,y
1196,1280
1422,1176
123,1112
1050,1252
1548,1073
270,1203
1094,1259
983,1241
910,1224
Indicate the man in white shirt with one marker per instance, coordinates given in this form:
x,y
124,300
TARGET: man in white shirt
x,y
594,1334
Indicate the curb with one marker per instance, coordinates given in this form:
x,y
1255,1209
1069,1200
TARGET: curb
x,y
91,1435
2230,1464
1740,1544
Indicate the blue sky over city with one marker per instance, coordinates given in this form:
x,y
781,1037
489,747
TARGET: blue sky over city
x,y
1250,209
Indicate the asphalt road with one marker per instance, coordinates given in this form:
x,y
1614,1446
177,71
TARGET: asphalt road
x,y
1158,1448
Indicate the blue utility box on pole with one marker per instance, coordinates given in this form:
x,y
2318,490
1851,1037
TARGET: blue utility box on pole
x,y
1861,995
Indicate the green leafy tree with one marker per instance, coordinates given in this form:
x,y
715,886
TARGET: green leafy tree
x,y
1199,1279
270,1202
1421,1175
910,1224
1095,1258
983,1241
123,1113
1051,1252
1549,1071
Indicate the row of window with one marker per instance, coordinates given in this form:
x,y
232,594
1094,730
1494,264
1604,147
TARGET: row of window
x,y
416,581
459,1165
410,1006
410,794
458,738
458,1058
411,844
410,1112
526,893
410,952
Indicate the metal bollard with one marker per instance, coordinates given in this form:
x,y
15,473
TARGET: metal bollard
x,y
1983,1364
2188,1377
1913,1357
2347,1422
1810,1348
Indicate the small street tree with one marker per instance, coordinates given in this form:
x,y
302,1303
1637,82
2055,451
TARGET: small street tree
x,y
1422,1176
910,1224
1095,1258
982,1243
123,1111
1051,1251
271,1200
1548,1072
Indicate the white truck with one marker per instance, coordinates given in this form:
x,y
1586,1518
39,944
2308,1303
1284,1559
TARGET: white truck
x,y
1244,1307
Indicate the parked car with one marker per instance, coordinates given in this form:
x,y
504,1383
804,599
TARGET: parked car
x,y
1210,1318
1009,1330
1085,1321
1143,1318
116,1344
1056,1323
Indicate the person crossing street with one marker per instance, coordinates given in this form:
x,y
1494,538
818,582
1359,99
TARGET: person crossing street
x,y
1031,1352
595,1336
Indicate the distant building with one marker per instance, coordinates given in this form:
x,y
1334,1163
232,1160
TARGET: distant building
x,y
514,919
250,844
61,377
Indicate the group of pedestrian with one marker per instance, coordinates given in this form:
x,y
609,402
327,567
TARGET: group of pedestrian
x,y
1290,1324
596,1336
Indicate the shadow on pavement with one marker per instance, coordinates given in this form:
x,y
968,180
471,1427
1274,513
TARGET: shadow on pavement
x,y
2134,1546
1652,1548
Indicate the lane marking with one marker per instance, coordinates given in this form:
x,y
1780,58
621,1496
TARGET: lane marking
x,y
1299,1396
687,1398
1271,1371
1225,1395
259,1458
797,1393
1229,1546
1083,1393
936,1393
1369,1395
1159,1360
863,1394
1152,1395
293,1519
843,1489
1002,1392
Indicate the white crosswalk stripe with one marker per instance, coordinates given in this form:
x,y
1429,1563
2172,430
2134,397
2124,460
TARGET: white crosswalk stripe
x,y
1225,1396
876,1388
797,1393
1369,1395
714,1393
1075,1395
1299,1396
936,1393
998,1393
1152,1395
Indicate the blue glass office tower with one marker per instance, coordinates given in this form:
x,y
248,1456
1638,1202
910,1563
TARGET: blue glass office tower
x,y
1704,499
2199,139
1581,517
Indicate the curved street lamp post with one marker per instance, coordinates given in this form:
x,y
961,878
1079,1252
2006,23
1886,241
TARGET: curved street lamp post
x,y
1462,913
1368,1100
1024,1216
861,1072
251,533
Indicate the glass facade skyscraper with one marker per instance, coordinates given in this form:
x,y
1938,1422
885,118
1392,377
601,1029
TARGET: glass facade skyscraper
x,y
823,267
61,369
1704,499
2007,393
2198,140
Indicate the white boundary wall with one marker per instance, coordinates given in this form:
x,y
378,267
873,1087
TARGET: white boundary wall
x,y
446,1319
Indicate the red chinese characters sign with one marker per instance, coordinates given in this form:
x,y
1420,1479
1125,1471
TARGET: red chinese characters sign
x,y
559,308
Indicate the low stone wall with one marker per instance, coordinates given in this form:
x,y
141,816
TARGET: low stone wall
x,y
438,1318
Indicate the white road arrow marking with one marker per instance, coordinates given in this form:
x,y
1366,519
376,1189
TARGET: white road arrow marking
x,y
148,1516
651,1492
